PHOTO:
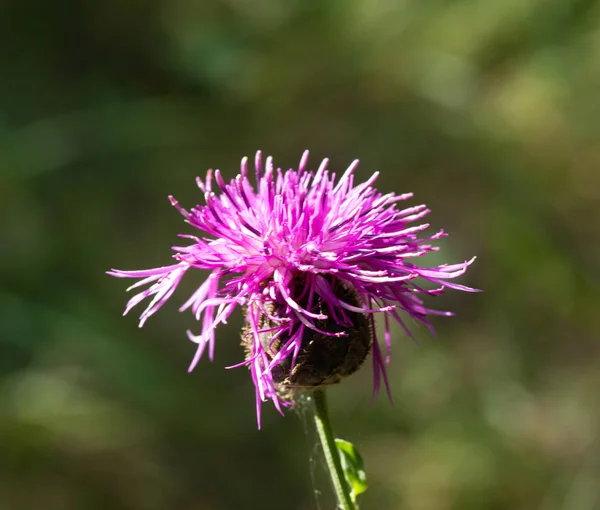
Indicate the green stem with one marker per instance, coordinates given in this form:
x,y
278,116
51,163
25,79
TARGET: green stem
x,y
332,456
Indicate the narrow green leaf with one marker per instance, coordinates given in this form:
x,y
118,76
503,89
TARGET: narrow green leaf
x,y
352,464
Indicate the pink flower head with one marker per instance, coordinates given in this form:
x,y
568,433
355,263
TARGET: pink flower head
x,y
283,249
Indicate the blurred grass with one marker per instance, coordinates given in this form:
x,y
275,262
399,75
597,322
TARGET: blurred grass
x,y
488,111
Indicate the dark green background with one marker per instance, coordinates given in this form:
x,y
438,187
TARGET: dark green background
x,y
488,110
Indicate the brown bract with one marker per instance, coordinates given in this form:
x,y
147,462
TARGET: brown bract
x,y
323,360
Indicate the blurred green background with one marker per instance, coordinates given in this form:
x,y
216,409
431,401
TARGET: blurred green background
x,y
489,110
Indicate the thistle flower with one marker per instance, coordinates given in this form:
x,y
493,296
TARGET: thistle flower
x,y
311,261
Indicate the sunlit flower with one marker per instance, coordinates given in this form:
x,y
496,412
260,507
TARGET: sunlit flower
x,y
311,261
